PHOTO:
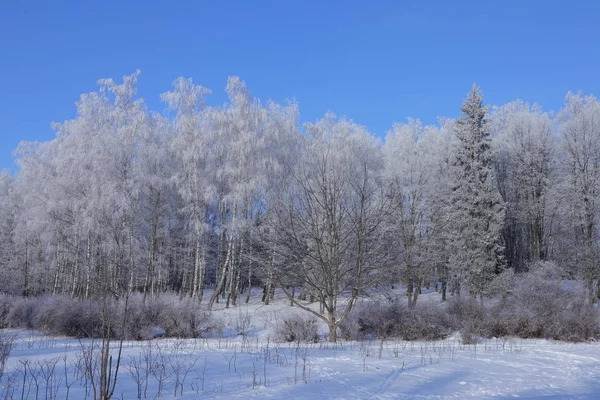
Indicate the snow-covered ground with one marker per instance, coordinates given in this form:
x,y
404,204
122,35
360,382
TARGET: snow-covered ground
x,y
253,365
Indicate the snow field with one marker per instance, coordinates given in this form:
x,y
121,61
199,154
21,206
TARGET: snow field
x,y
245,362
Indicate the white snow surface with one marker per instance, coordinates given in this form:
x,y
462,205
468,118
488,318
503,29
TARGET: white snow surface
x,y
254,366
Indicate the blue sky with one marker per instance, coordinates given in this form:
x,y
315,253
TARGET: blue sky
x,y
374,61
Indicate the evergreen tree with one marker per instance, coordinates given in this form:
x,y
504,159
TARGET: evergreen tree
x,y
476,211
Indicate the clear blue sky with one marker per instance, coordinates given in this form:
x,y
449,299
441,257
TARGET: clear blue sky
x,y
374,61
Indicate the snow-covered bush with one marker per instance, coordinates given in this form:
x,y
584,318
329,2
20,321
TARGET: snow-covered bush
x,y
132,318
468,317
426,322
6,302
505,319
242,322
572,322
165,314
297,328
546,306
7,343
182,317
502,284
369,321
62,315
21,313
394,320
541,305
58,315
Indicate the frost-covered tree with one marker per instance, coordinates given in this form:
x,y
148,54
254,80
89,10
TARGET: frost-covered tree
x,y
191,143
239,155
8,213
579,127
236,195
159,204
476,212
127,123
443,157
327,218
524,140
32,237
411,159
85,201
225,158
280,153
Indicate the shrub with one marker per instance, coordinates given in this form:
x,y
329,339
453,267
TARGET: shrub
x,y
369,321
394,320
504,319
502,284
541,306
547,308
242,323
7,343
58,315
297,328
21,314
80,318
426,322
6,303
138,318
162,315
182,317
468,317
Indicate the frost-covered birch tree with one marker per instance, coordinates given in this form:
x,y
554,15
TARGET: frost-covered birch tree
x,y
579,127
238,182
191,144
8,214
410,167
525,141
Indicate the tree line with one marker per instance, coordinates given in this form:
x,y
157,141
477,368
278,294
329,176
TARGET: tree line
x,y
229,197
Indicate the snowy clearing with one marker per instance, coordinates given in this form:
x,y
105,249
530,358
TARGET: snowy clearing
x,y
253,365
250,367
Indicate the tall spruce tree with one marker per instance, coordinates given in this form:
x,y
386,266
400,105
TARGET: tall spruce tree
x,y
475,211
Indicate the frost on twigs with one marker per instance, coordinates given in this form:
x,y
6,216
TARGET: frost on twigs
x,y
297,328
